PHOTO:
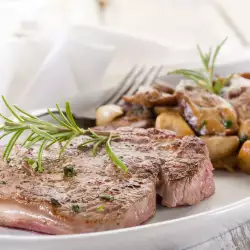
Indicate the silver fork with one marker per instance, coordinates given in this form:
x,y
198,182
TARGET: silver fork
x,y
138,76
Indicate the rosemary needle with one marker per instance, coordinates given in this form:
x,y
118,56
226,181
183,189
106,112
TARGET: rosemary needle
x,y
206,78
47,134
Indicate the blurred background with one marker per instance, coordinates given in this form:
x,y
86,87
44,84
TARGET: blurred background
x,y
179,24
71,47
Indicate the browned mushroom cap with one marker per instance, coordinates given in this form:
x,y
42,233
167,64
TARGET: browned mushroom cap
x,y
150,97
164,87
207,113
245,75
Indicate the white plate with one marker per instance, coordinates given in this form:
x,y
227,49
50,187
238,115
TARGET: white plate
x,y
175,228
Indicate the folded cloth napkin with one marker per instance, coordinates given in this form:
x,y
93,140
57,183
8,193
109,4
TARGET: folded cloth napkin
x,y
39,69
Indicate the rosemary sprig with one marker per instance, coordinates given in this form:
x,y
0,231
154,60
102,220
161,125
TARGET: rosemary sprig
x,y
47,134
206,77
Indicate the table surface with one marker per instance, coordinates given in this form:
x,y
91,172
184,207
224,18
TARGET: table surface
x,y
180,24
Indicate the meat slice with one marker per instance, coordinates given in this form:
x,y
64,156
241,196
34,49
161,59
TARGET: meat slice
x,y
207,113
150,97
186,177
100,196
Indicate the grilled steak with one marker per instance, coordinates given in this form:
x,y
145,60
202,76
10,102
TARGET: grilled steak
x,y
98,196
207,113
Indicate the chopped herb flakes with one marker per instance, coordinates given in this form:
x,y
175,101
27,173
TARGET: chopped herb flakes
x,y
100,208
106,197
69,171
33,164
3,182
75,209
228,123
54,202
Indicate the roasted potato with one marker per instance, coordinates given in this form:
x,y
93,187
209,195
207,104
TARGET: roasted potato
x,y
221,146
161,109
172,120
244,157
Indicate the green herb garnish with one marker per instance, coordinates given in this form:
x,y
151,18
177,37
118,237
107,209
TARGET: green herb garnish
x,y
100,208
206,77
243,138
54,202
69,171
228,123
33,164
3,182
75,209
107,197
117,161
47,134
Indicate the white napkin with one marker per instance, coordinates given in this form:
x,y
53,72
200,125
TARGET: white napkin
x,y
38,70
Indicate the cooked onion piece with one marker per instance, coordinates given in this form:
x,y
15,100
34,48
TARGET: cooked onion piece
x,y
221,146
107,113
172,120
244,157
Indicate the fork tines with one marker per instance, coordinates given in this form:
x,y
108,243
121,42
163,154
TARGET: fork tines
x,y
138,76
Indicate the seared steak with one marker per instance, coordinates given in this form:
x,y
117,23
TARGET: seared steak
x,y
98,196
207,113
186,176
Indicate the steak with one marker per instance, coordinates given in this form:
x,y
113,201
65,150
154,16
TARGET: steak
x,y
207,113
99,196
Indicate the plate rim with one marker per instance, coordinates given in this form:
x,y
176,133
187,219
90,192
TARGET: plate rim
x,y
42,237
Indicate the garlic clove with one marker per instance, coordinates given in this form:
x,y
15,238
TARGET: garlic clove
x,y
107,113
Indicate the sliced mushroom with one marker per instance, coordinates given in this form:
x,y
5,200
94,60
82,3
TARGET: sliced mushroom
x,y
150,97
163,87
172,120
221,146
207,113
